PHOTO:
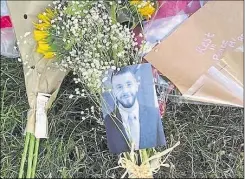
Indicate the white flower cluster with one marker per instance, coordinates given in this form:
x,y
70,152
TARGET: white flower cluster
x,y
93,42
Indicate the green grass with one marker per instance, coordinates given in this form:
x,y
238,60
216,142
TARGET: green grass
x,y
211,136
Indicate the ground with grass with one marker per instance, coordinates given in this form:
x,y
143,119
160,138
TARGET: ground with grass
x,y
211,136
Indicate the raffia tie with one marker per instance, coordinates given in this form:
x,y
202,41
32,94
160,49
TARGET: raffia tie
x,y
145,170
134,170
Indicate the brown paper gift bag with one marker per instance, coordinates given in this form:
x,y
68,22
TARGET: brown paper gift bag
x,y
203,41
41,76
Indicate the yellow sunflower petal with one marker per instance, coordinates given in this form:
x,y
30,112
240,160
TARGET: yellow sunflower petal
x,y
40,51
50,13
39,35
42,26
43,41
44,18
44,47
49,55
147,10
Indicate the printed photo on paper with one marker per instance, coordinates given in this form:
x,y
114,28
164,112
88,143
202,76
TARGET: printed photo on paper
x,y
130,109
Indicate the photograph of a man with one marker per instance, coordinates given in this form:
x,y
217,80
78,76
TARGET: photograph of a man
x,y
135,117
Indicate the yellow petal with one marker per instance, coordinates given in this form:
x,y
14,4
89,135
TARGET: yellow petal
x,y
44,41
147,10
42,26
44,47
39,35
50,13
49,55
44,18
40,51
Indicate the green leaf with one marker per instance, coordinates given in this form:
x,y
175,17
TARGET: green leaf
x,y
49,39
53,47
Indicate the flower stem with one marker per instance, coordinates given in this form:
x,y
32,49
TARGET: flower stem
x,y
113,13
144,156
35,158
23,159
30,156
114,21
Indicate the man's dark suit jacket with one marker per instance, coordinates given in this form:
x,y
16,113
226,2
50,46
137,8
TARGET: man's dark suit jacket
x,y
151,130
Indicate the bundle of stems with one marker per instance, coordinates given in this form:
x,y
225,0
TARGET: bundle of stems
x,y
31,147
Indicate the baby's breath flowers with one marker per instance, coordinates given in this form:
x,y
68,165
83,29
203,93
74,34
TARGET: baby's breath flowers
x,y
89,41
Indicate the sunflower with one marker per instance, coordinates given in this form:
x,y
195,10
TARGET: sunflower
x,y
145,8
41,33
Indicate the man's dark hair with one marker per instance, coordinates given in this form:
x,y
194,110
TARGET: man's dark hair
x,y
123,70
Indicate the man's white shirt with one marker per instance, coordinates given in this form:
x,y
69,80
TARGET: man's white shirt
x,y
135,124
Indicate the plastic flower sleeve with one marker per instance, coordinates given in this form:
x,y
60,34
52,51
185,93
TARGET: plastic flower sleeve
x,y
8,39
167,18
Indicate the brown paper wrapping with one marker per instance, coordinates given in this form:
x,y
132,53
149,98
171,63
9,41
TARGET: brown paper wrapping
x,y
214,28
234,66
43,77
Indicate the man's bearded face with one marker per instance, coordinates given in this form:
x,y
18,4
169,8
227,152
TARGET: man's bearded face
x,y
125,89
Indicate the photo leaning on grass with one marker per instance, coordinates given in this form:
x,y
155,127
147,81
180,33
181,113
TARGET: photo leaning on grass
x,y
122,89
130,109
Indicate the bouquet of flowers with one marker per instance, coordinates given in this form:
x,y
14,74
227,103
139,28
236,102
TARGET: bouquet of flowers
x,y
89,38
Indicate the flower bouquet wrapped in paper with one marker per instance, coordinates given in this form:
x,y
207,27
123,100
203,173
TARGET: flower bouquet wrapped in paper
x,y
42,79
